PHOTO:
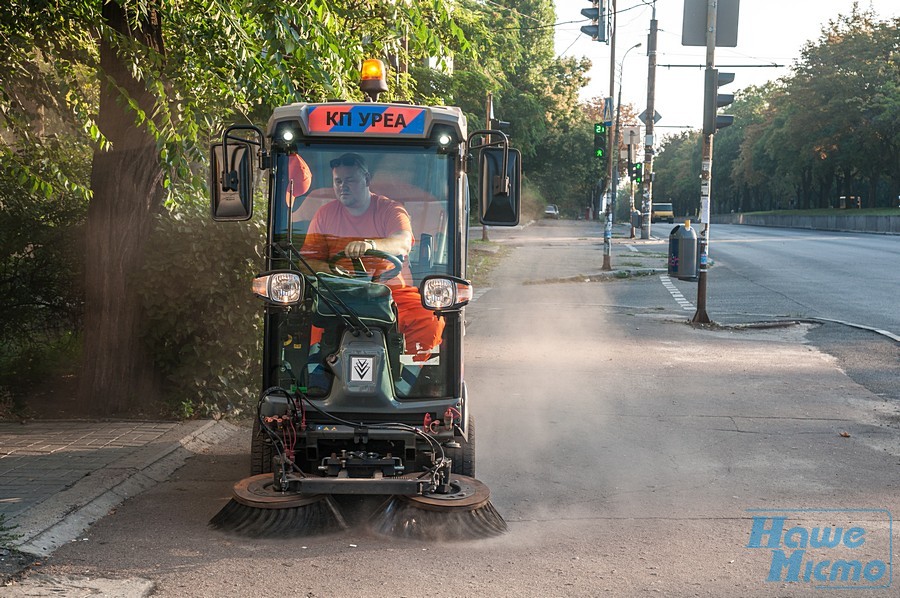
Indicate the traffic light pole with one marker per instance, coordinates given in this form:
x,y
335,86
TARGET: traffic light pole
x,y
700,316
611,157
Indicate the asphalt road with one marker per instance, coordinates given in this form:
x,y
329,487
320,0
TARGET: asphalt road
x,y
852,277
626,449
762,274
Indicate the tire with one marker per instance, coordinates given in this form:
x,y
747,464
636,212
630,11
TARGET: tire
x,y
464,457
261,452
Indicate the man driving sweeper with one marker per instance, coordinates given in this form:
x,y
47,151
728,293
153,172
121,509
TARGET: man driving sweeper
x,y
360,221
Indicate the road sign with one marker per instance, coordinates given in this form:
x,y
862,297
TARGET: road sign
x,y
693,32
643,116
631,135
607,112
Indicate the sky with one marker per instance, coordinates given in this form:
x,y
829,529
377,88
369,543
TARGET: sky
x,y
769,32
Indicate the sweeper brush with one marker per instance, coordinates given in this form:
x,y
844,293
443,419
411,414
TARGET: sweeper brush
x,y
458,509
258,510
465,513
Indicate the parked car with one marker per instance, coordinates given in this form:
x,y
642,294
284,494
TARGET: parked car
x,y
551,211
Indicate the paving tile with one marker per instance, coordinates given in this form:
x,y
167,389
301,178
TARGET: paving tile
x,y
39,461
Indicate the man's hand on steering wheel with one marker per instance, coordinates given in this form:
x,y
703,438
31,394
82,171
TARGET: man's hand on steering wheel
x,y
395,262
356,249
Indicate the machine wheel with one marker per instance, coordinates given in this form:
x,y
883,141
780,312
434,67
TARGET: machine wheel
x,y
464,457
261,452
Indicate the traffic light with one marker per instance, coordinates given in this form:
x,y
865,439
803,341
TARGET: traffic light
x,y
599,140
503,125
713,100
597,15
637,172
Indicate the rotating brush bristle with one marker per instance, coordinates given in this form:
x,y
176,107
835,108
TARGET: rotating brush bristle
x,y
461,511
258,510
316,518
402,518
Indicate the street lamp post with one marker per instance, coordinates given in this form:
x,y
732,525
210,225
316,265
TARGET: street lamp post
x,y
614,155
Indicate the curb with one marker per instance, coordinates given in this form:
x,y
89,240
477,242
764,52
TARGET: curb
x,y
63,517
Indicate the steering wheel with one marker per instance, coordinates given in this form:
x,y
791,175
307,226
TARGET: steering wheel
x,y
359,269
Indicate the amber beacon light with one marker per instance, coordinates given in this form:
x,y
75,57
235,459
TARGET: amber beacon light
x,y
373,81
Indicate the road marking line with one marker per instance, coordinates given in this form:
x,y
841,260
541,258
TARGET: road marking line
x,y
631,247
676,294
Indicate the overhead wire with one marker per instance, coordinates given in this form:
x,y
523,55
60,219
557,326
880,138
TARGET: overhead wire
x,y
512,10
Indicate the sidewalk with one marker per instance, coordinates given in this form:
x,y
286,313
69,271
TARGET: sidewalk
x,y
59,477
628,256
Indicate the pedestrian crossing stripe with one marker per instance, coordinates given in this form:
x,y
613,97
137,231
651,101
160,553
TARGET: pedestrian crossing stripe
x,y
676,294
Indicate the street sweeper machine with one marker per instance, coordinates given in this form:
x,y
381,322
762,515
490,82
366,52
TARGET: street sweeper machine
x,y
363,398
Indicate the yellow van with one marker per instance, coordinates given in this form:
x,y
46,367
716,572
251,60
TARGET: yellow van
x,y
662,211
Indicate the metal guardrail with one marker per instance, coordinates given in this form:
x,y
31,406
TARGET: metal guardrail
x,y
862,223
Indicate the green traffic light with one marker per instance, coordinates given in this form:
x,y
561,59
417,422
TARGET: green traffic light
x,y
599,140
637,172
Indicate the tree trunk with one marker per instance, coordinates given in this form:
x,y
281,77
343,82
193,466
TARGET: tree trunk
x,y
126,181
873,191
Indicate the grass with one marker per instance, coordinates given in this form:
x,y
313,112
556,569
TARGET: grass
x,y
8,534
482,263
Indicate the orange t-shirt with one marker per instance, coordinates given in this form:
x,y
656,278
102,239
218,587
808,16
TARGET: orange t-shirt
x,y
333,226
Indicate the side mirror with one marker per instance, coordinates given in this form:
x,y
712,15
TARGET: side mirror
x,y
231,182
500,190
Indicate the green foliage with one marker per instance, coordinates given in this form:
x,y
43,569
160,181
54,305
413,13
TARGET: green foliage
x,y
677,168
41,249
8,534
564,167
223,61
202,324
533,201
513,59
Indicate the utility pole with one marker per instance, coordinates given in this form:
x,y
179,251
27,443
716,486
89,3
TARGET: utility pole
x,y
700,316
489,115
612,158
647,204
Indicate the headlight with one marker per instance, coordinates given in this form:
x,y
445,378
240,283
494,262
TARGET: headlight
x,y
445,136
445,293
281,288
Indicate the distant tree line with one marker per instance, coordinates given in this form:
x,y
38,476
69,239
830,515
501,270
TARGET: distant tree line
x,y
830,129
